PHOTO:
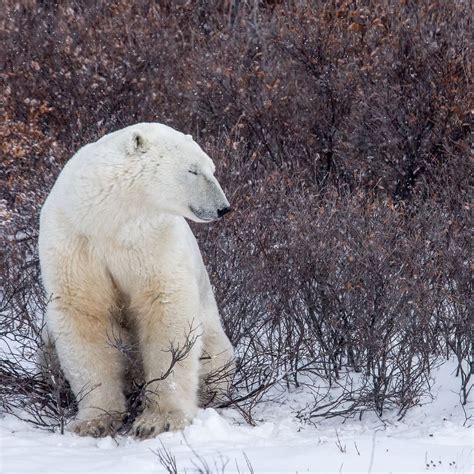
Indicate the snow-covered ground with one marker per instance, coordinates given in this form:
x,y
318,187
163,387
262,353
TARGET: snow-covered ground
x,y
431,438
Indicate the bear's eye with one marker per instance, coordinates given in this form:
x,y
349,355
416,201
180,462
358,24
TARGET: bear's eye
x,y
194,172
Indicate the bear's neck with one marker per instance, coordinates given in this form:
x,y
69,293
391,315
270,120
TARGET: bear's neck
x,y
114,208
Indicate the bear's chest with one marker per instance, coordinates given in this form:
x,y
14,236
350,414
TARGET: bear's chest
x,y
144,255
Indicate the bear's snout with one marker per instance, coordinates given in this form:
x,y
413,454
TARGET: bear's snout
x,y
222,212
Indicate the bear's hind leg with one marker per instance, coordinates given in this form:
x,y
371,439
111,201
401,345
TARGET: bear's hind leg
x,y
217,359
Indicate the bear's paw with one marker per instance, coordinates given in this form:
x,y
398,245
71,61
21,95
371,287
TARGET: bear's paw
x,y
148,425
99,427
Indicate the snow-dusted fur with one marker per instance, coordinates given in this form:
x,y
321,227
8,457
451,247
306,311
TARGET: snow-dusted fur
x,y
119,261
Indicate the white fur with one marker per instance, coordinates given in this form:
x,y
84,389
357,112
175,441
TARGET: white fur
x,y
118,259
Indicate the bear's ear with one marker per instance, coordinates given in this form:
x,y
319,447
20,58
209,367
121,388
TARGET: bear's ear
x,y
137,143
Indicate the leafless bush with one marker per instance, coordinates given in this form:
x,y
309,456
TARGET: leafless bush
x,y
167,460
41,397
341,134
201,466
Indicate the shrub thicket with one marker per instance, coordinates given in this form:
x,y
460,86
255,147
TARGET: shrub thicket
x,y
340,130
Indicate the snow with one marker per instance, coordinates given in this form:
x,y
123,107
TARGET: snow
x,y
434,437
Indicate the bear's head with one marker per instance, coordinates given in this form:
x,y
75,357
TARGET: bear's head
x,y
178,176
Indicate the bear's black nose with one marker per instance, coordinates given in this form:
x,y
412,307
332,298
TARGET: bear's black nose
x,y
221,212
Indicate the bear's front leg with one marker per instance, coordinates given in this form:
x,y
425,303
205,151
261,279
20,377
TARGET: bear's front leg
x,y
170,342
93,367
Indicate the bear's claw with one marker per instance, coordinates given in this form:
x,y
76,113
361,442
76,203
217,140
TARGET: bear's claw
x,y
103,425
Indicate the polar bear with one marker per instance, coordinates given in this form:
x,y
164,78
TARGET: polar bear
x,y
118,258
